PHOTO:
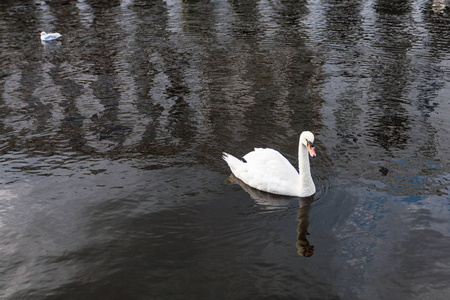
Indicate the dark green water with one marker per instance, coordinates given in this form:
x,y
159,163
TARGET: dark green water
x,y
111,180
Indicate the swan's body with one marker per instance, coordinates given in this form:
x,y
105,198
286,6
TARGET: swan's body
x,y
269,171
46,37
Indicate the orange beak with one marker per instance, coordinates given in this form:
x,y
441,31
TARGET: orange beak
x,y
312,151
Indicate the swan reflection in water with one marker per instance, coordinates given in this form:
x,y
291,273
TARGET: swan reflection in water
x,y
303,246
273,201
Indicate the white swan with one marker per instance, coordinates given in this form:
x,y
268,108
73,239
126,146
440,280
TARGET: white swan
x,y
269,171
46,37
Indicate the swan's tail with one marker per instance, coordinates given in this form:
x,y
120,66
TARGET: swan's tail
x,y
233,162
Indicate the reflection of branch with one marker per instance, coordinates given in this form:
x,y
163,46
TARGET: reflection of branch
x,y
271,200
303,246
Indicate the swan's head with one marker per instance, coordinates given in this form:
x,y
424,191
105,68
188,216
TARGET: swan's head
x,y
305,250
307,139
43,33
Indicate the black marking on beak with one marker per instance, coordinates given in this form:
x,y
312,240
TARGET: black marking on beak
x,y
308,143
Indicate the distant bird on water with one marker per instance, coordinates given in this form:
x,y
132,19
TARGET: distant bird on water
x,y
47,37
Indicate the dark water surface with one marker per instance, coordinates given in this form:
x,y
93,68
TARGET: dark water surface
x,y
112,184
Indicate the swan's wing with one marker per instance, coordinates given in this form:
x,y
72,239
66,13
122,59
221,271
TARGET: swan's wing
x,y
272,161
268,170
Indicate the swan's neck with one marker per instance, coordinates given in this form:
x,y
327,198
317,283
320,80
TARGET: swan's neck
x,y
304,168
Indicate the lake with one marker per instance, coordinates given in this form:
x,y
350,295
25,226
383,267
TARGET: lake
x,y
112,184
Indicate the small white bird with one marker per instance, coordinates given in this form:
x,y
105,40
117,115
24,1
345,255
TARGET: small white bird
x,y
46,37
